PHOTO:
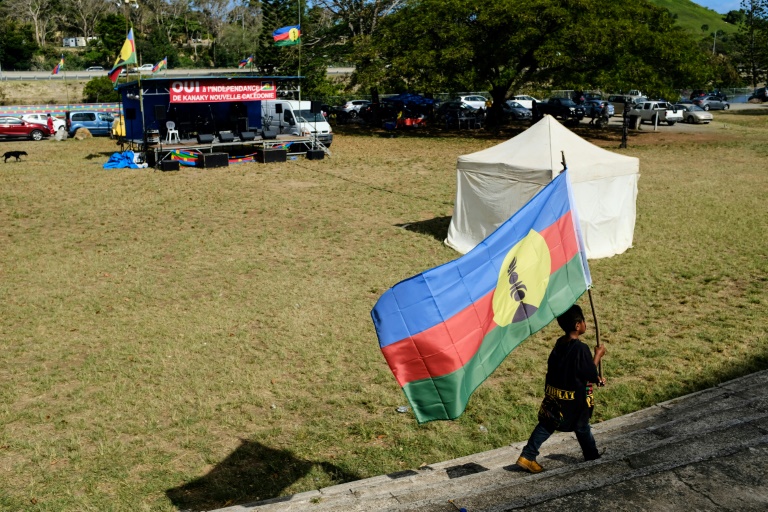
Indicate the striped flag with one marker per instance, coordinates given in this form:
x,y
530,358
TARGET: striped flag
x,y
287,36
58,67
444,331
127,56
160,65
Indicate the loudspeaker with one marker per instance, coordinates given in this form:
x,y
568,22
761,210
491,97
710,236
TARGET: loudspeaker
x,y
278,108
316,107
268,135
130,113
247,135
272,155
226,136
210,160
159,112
169,165
204,138
315,154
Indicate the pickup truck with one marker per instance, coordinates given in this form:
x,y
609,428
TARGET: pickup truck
x,y
656,112
563,108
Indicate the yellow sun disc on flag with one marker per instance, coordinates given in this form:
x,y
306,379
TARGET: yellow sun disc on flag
x,y
293,34
522,281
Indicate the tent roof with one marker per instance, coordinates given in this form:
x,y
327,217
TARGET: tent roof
x,y
538,150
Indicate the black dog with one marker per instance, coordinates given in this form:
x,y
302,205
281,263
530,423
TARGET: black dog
x,y
17,154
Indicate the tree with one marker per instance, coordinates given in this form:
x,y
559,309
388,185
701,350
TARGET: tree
x,y
753,39
40,13
100,89
508,45
82,15
17,45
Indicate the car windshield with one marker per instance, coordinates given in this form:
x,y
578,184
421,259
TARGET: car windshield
x,y
514,104
307,116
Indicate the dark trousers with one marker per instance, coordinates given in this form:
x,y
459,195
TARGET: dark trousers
x,y
541,434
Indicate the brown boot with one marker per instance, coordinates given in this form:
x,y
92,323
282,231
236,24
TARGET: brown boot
x,y
529,465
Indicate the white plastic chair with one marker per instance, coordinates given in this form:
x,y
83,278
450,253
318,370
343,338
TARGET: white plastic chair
x,y
172,134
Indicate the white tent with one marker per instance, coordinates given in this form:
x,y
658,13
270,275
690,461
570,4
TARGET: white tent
x,y
496,182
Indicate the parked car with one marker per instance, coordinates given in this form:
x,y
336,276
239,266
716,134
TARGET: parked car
x,y
15,127
698,93
693,114
592,108
353,107
618,100
760,94
514,110
98,123
95,68
563,108
459,114
474,101
526,101
58,124
711,103
144,68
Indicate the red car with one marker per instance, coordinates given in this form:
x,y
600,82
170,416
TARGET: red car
x,y
13,127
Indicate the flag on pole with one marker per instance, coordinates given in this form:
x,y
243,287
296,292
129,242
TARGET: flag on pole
x,y
444,331
246,62
58,66
160,65
127,56
287,36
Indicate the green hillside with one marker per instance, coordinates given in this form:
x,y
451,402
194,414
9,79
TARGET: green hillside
x,y
692,16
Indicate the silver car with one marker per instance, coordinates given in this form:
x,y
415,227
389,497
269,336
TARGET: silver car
x,y
694,114
711,103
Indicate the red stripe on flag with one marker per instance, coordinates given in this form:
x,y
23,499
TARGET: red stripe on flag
x,y
445,347
561,240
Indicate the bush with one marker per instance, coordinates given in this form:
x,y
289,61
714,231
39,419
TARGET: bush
x,y
100,89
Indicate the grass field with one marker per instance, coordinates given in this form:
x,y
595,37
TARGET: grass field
x,y
202,338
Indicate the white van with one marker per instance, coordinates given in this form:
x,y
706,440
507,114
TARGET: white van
x,y
296,118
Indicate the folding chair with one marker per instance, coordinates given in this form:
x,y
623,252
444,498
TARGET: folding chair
x,y
172,134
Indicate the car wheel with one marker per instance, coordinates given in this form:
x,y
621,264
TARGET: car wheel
x,y
671,123
36,135
706,107
690,120
353,114
726,107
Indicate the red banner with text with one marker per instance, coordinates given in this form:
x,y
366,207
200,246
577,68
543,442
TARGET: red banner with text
x,y
215,91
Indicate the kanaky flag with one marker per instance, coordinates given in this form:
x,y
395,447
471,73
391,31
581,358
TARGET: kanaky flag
x,y
160,65
246,62
287,36
127,56
444,331
58,66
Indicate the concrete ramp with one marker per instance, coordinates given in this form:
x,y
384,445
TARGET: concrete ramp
x,y
704,451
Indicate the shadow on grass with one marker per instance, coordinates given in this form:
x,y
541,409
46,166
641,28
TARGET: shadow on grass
x,y
253,472
437,228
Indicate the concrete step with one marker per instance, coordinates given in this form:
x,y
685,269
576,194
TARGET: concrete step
x,y
699,427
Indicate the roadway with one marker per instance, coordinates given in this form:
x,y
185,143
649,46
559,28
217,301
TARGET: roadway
x,y
87,75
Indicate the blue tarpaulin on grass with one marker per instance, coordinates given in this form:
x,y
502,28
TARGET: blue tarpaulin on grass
x,y
126,159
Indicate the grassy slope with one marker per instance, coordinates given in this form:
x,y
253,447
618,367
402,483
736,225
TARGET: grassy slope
x,y
201,338
692,16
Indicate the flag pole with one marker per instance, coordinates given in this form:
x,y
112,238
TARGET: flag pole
x,y
597,335
591,304
298,5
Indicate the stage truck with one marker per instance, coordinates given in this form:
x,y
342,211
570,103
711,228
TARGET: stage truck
x,y
297,118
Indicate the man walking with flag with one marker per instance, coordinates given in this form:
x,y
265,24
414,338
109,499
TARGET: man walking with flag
x,y
568,400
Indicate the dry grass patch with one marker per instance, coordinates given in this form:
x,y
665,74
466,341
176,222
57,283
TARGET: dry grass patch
x,y
199,338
